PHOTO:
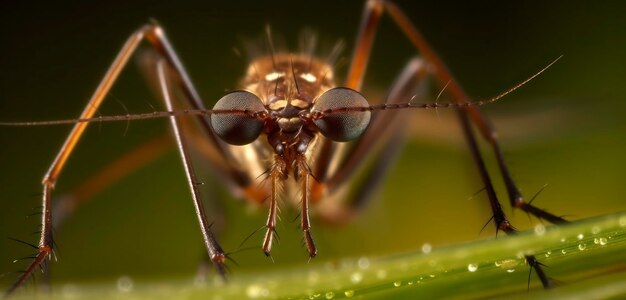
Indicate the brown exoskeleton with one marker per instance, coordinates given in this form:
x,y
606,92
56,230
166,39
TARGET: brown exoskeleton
x,y
290,121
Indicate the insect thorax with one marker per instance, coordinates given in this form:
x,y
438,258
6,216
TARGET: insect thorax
x,y
281,78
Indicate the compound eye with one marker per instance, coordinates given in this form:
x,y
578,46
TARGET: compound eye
x,y
237,129
341,126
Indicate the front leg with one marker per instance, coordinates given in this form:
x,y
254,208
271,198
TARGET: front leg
x,y
215,251
304,176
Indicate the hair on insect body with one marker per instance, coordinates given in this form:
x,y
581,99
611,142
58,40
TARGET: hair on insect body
x,y
293,126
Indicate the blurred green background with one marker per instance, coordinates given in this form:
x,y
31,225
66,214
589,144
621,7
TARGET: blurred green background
x,y
565,128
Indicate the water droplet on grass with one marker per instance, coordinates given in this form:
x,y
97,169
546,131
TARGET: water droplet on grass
x,y
540,229
426,248
595,229
329,295
622,221
363,263
472,267
356,277
397,283
125,284
582,247
507,263
255,291
349,293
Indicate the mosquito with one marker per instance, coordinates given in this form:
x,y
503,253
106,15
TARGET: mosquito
x,y
292,126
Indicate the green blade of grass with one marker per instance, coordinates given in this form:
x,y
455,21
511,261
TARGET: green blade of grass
x,y
586,258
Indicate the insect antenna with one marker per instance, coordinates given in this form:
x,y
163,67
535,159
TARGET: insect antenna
x,y
140,116
404,105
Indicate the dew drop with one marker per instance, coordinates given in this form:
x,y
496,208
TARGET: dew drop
x,y
548,253
582,247
329,295
603,241
596,241
125,284
70,291
410,282
397,283
356,277
563,240
255,291
349,293
595,229
472,267
580,236
510,270
507,263
540,229
622,221
426,248
564,251
363,263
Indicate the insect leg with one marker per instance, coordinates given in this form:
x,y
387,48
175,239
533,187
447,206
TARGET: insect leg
x,y
445,77
153,34
371,16
488,132
275,175
380,144
223,165
215,251
304,175
499,217
50,178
